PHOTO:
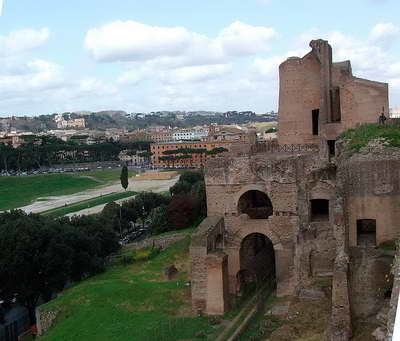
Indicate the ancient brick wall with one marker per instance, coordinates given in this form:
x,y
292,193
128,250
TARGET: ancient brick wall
x,y
203,243
299,94
369,271
315,83
372,184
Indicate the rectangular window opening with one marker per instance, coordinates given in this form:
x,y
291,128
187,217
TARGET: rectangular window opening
x,y
315,124
335,105
319,209
366,232
331,146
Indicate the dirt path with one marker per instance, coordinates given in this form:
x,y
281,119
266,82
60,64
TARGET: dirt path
x,y
59,201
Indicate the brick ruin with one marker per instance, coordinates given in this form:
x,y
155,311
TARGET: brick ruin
x,y
303,209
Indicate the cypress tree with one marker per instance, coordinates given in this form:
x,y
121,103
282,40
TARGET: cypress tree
x,y
124,177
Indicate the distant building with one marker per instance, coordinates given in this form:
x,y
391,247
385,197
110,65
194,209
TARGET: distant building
x,y
394,113
190,134
193,159
231,133
133,160
69,123
138,135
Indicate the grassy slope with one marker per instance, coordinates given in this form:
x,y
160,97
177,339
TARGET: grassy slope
x,y
359,137
130,303
22,190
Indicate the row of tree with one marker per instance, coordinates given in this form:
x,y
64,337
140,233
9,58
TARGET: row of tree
x,y
40,255
172,155
160,213
49,150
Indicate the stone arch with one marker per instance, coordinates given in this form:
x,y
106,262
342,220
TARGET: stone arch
x,y
256,204
264,229
257,261
253,187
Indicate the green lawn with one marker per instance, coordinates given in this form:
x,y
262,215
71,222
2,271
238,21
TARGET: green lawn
x,y
18,191
81,205
106,175
132,302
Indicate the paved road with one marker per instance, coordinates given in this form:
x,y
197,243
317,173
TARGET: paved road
x,y
59,201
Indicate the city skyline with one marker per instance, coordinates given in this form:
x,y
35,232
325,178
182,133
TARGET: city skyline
x,y
143,57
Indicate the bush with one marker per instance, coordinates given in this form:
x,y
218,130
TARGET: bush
x,y
182,211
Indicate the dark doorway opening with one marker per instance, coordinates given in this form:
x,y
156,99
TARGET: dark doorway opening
x,y
255,204
366,232
257,262
319,209
331,147
315,122
219,242
335,105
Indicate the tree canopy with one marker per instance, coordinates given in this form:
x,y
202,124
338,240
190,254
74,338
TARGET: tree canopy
x,y
39,255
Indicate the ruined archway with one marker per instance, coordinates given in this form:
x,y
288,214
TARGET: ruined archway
x,y
255,204
257,262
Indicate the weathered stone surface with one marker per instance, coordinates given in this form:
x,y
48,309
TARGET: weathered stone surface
x,y
285,333
379,334
279,309
311,293
170,271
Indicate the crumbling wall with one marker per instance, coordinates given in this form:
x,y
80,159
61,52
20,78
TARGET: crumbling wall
x,y
369,272
372,185
391,318
203,243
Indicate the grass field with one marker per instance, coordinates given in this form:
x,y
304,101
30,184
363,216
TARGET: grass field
x,y
106,175
132,302
81,205
362,135
18,191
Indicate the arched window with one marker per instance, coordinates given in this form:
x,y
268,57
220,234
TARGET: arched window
x,y
255,204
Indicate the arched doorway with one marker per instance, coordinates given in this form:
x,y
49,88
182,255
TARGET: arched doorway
x,y
257,262
255,204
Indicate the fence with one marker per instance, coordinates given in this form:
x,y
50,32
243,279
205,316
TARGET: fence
x,y
285,148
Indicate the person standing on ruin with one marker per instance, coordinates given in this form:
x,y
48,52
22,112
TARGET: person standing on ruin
x,y
382,117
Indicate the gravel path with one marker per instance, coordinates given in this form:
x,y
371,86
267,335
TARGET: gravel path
x,y
59,201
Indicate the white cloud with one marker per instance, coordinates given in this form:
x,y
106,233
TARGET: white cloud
x,y
96,87
192,74
241,39
174,46
22,41
38,75
130,40
383,31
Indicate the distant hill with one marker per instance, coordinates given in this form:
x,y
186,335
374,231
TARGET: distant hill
x,y
120,119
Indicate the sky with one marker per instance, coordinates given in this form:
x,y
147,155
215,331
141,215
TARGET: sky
x,y
151,55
